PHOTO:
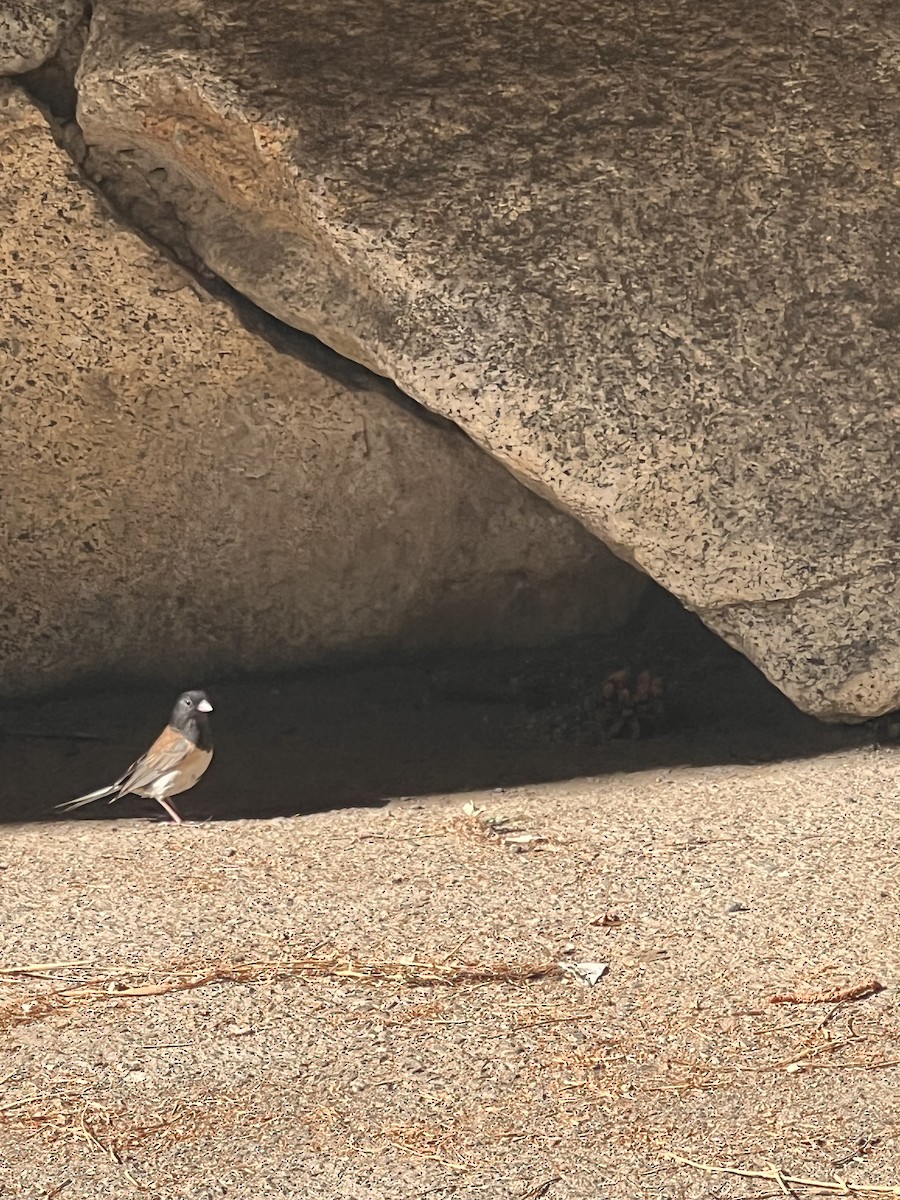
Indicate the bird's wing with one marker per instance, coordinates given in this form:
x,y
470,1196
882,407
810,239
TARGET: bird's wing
x,y
166,753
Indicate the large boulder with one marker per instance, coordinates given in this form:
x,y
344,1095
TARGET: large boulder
x,y
31,31
179,496
648,261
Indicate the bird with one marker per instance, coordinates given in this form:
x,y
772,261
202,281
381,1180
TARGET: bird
x,y
174,762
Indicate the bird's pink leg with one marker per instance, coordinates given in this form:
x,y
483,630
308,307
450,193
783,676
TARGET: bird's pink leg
x,y
171,811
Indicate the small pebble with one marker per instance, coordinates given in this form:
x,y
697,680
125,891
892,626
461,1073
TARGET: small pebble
x,y
737,906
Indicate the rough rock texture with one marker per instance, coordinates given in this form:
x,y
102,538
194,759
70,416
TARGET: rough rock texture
x,y
178,496
30,33
649,264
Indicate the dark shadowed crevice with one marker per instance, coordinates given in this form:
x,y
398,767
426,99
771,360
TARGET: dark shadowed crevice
x,y
443,725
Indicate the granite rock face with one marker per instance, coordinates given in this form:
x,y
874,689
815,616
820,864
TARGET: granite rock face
x,y
648,265
179,496
31,31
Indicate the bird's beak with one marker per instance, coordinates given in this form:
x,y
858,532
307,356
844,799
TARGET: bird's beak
x,y
204,706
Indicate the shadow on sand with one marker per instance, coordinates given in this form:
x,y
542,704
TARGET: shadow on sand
x,y
468,721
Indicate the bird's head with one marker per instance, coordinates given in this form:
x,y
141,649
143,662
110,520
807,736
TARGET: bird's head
x,y
190,706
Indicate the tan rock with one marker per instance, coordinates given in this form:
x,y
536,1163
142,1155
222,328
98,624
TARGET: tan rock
x,y
649,265
31,31
180,497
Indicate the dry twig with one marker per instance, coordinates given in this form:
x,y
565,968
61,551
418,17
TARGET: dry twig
x,y
44,968
127,982
541,1189
834,995
836,1185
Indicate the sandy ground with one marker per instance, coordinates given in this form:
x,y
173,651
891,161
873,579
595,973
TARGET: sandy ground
x,y
367,1002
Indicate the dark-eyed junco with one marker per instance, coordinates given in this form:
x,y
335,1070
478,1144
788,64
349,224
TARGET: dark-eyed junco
x,y
174,762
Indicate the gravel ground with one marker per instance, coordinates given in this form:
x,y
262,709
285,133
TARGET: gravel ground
x,y
366,1002
706,890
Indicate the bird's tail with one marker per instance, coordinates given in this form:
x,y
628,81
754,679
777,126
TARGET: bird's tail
x,y
100,794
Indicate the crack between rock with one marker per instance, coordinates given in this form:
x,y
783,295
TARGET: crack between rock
x,y
803,594
51,88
